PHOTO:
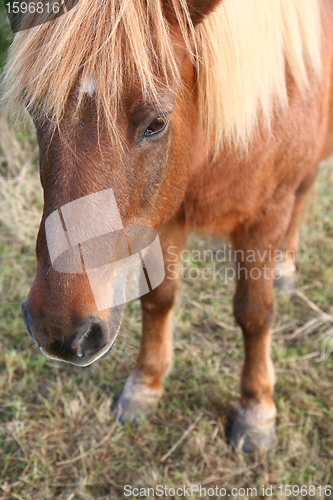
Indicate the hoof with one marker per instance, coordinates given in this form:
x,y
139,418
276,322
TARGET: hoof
x,y
285,276
285,283
254,429
136,403
247,438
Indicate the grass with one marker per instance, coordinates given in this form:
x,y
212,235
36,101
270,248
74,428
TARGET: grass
x,y
58,439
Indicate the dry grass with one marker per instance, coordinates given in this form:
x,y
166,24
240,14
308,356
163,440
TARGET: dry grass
x,y
21,193
57,434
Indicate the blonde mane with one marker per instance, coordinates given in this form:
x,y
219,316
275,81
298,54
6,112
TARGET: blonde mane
x,y
243,52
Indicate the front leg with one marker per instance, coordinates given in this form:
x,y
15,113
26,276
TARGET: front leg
x,y
255,247
144,386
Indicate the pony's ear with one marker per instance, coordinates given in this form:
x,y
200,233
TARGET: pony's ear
x,y
198,9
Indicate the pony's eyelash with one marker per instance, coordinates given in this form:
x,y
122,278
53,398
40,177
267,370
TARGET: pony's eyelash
x,y
158,131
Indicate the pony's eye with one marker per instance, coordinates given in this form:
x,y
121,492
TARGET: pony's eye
x,y
156,126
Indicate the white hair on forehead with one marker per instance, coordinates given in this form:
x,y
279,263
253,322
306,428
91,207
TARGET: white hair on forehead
x,y
88,86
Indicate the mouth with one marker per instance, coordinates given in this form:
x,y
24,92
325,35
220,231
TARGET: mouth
x,y
81,362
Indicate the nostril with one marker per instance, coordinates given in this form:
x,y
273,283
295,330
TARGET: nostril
x,y
92,340
27,317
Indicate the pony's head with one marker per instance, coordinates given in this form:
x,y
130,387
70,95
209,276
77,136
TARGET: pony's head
x,y
111,91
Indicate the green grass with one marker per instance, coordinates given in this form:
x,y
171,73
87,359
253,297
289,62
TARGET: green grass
x,y
57,435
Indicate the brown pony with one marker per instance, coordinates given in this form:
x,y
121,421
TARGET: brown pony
x,y
199,114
